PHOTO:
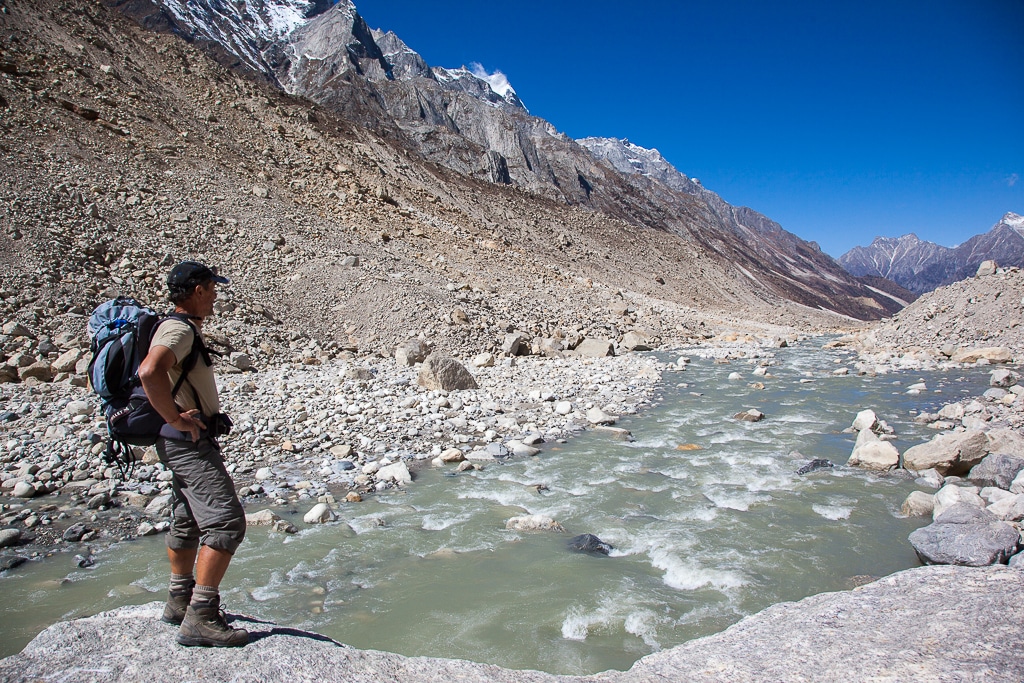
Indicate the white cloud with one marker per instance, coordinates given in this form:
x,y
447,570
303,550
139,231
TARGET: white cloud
x,y
1012,179
498,82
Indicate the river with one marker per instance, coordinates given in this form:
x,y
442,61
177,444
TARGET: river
x,y
708,521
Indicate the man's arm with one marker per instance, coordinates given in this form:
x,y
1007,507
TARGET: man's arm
x,y
157,385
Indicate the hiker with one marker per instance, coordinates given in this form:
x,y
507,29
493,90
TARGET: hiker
x,y
207,520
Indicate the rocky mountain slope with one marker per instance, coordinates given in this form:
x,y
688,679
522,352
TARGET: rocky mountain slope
x,y
921,266
476,125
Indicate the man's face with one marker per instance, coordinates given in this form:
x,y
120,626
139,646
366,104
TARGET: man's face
x,y
204,297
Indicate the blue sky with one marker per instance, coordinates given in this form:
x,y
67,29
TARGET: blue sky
x,y
841,121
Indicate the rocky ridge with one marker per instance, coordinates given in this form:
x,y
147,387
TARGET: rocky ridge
x,y
921,266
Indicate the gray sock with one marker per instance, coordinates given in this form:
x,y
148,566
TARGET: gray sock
x,y
181,584
205,596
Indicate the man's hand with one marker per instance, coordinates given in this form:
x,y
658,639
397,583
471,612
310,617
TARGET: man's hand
x,y
187,423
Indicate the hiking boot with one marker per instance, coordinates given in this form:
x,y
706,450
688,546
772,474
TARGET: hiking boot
x,y
174,610
207,626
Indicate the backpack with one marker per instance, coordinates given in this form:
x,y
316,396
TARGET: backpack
x,y
121,330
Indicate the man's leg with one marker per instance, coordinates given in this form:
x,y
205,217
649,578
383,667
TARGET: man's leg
x,y
179,592
211,566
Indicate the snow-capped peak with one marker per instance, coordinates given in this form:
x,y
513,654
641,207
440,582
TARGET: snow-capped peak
x,y
1015,221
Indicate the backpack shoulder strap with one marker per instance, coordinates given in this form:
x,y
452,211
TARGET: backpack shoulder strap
x,y
198,349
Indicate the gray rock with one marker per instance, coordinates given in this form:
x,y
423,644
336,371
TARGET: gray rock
x,y
412,352
886,630
445,373
41,371
515,344
9,537
815,465
319,514
918,504
589,543
965,535
533,523
397,473
752,415
953,453
74,533
986,268
595,348
996,470
872,453
865,420
1003,378
636,340
23,489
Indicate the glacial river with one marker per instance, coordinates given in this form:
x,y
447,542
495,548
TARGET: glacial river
x,y
702,536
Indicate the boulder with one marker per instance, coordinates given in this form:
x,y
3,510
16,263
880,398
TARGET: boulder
x,y
398,473
484,360
872,453
953,453
918,504
996,469
41,371
752,415
9,537
533,523
1008,509
1003,378
516,344
68,361
865,420
951,494
261,518
598,417
1007,441
24,489
440,372
934,623
549,347
319,514
589,543
994,354
966,535
986,268
411,352
952,411
636,340
812,466
595,348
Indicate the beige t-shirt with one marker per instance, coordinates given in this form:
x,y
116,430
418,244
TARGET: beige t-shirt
x,y
177,336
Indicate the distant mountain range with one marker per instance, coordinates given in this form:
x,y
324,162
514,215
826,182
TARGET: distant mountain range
x,y
922,266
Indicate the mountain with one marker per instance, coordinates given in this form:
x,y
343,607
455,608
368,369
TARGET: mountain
x,y
475,124
922,266
357,195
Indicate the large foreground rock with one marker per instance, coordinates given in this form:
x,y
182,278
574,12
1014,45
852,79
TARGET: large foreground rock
x,y
928,624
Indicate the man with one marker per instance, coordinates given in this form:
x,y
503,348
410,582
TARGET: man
x,y
208,522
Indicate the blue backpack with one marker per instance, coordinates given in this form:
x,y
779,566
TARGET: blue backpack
x,y
121,331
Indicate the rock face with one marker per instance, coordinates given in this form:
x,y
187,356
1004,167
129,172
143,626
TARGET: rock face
x,y
886,630
966,535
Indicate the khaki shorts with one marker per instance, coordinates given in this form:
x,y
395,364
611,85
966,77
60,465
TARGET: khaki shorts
x,y
204,507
